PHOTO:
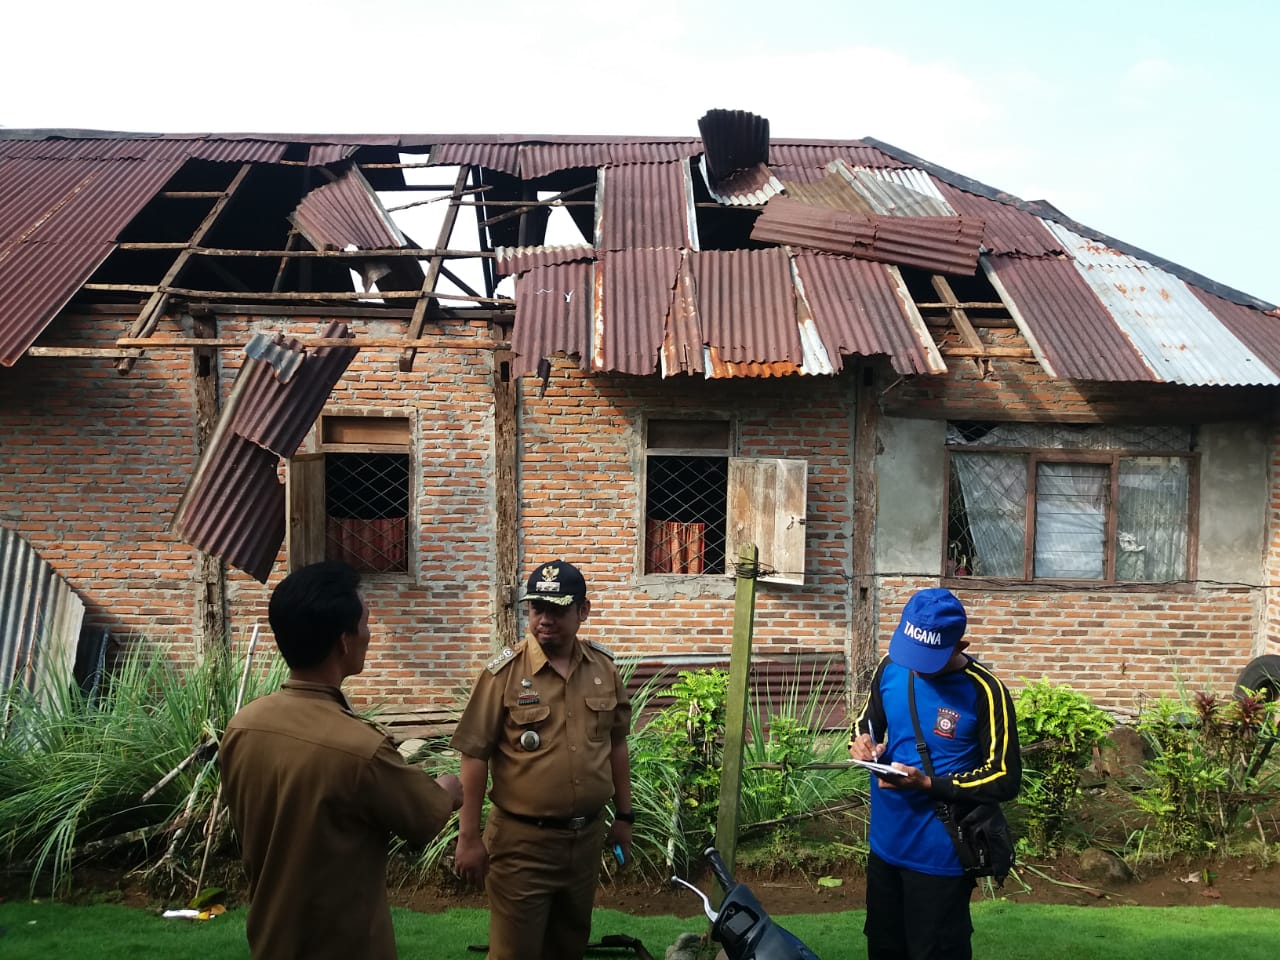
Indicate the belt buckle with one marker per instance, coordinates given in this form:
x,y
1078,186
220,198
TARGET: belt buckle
x,y
576,823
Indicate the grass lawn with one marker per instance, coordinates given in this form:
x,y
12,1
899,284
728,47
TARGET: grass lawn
x,y
41,930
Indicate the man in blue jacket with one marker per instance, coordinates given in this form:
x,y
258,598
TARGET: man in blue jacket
x,y
917,891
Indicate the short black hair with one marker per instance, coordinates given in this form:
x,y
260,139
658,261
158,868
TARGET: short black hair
x,y
311,608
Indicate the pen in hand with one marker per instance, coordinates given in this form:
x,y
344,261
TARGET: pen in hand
x,y
871,732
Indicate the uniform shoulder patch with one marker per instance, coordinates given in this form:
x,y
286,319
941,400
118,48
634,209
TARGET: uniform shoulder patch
x,y
595,645
496,665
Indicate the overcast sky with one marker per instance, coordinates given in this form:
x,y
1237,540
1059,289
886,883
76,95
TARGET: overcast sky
x,y
1154,122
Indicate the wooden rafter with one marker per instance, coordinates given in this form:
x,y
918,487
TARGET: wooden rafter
x,y
427,300
153,309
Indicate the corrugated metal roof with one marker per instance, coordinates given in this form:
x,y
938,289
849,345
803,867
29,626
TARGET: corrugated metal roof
x,y
747,305
733,140
863,309
941,244
58,231
1174,331
749,187
234,505
1259,332
512,260
553,314
1065,324
682,349
831,189
636,290
897,193
644,205
40,619
1009,228
816,155
344,213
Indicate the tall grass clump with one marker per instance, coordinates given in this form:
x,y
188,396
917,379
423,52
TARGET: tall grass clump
x,y
74,770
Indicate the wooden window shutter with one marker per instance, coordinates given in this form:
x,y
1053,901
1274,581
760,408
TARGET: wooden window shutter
x,y
767,500
305,529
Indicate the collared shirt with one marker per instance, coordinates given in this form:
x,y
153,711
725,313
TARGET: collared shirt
x,y
315,793
577,720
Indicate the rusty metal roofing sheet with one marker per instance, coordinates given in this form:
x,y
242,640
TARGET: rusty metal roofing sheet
x,y
57,232
855,153
1009,228
861,308
733,140
829,190
40,620
1068,329
322,153
540,159
553,314
496,156
941,244
234,504
344,213
644,205
682,341
1176,333
746,302
745,188
902,192
512,260
1258,331
281,398
637,288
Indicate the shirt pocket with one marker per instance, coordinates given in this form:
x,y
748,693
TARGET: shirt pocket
x,y
526,718
600,717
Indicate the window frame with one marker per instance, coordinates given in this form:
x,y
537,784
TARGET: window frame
x,y
750,483
305,537
1110,457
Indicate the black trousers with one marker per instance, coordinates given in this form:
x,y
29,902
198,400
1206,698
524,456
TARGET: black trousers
x,y
916,916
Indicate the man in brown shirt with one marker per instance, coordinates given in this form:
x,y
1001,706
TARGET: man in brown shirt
x,y
549,720
315,792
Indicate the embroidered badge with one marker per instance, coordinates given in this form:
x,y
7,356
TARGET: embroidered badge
x,y
944,725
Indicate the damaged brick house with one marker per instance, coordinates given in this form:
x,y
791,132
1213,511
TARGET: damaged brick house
x,y
228,355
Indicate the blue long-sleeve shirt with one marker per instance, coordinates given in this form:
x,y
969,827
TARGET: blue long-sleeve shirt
x,y
968,722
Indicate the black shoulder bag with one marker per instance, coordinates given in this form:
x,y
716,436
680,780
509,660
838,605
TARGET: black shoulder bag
x,y
980,831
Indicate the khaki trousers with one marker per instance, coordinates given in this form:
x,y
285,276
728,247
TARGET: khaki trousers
x,y
541,887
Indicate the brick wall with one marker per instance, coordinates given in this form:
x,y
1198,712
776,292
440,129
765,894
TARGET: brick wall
x,y
93,464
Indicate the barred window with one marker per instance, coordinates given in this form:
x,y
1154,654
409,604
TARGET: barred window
x,y
1064,502
350,495
686,490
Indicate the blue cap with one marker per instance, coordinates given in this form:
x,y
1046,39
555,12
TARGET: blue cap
x,y
933,622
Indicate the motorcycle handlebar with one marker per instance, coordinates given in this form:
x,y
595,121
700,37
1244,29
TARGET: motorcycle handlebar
x,y
717,864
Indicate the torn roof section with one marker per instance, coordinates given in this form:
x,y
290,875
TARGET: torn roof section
x,y
1090,307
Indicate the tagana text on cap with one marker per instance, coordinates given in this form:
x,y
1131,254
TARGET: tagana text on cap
x,y
933,621
558,582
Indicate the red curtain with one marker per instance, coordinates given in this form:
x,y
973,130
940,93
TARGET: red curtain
x,y
371,546
674,547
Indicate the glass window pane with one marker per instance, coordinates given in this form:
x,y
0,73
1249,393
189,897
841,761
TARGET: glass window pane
x,y
988,523
1151,536
1071,519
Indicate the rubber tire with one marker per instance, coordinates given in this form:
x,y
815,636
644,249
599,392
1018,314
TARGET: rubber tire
x,y
1261,674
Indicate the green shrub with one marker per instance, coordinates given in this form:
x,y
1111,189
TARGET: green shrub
x,y
1059,728
1208,768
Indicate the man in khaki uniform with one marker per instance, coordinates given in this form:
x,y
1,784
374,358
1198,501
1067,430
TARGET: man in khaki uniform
x,y
549,720
315,792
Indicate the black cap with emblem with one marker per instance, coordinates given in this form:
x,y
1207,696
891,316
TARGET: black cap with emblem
x,y
558,582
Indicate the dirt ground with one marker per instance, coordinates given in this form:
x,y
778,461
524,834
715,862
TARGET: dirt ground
x,y
1233,883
